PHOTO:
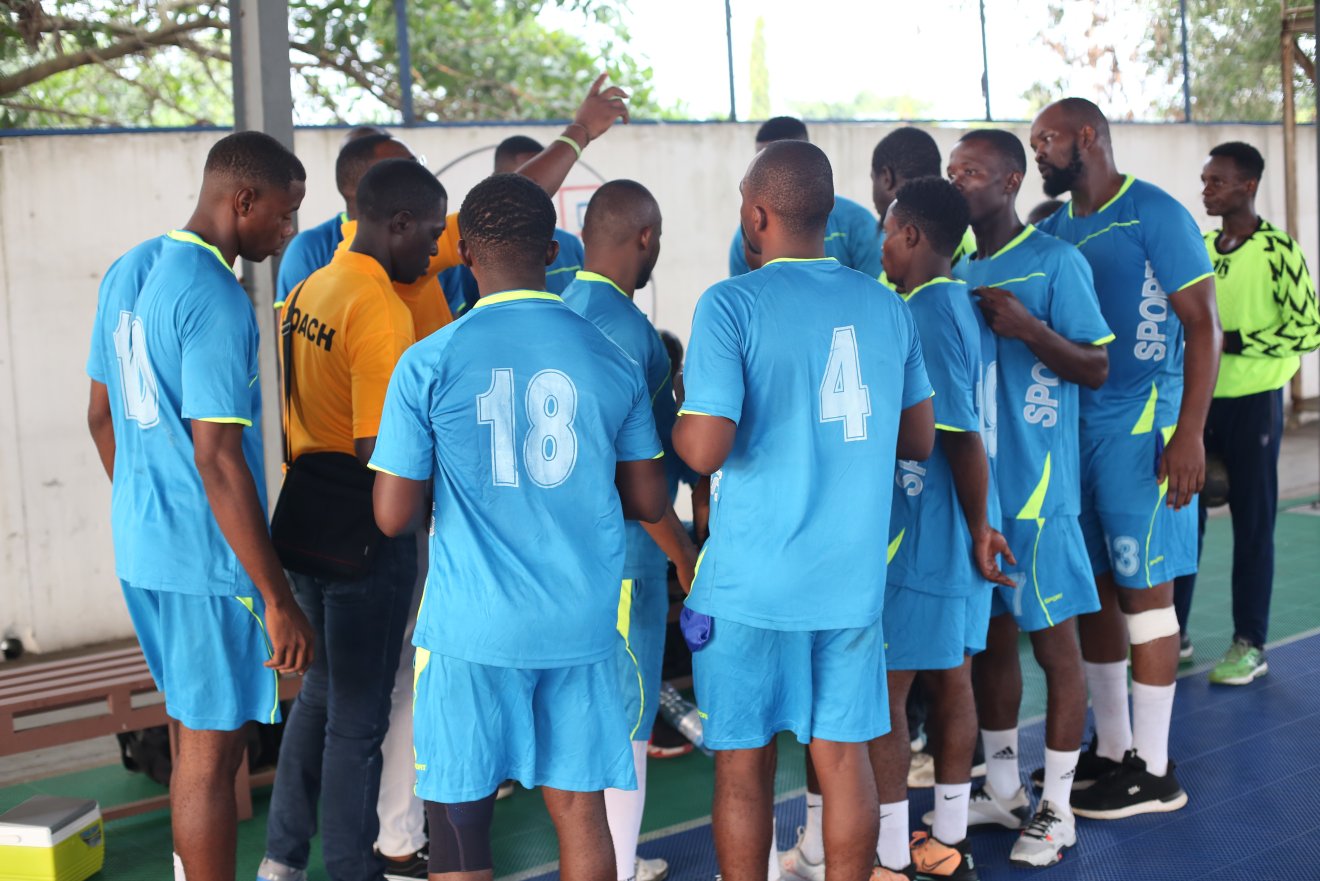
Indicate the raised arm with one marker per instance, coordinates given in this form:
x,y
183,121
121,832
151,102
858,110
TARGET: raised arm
x,y
599,111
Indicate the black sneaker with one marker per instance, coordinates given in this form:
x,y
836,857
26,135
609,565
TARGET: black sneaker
x,y
408,868
1129,790
1091,766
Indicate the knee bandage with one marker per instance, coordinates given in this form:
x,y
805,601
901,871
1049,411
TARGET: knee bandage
x,y
460,835
1144,627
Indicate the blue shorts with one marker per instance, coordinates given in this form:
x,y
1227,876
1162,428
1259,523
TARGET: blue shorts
x,y
643,608
926,631
1053,576
207,654
753,683
1129,529
476,725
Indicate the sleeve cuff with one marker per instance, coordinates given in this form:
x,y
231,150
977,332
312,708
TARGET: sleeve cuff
x,y
701,408
1202,277
224,420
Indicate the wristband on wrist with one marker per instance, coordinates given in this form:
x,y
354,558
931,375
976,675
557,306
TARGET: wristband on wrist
x,y
572,143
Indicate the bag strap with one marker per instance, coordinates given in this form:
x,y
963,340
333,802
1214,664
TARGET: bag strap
x,y
286,346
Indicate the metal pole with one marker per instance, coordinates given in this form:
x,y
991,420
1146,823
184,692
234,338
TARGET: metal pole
x,y
1186,65
1315,17
985,67
405,62
728,41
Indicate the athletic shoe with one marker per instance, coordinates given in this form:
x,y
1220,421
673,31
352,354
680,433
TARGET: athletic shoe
x,y
1045,839
921,771
651,870
907,873
269,870
794,865
407,869
1242,664
505,790
1091,766
1129,790
936,860
666,742
1185,650
986,808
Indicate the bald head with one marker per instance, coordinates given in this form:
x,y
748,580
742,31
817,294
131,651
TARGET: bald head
x,y
793,182
1074,114
617,213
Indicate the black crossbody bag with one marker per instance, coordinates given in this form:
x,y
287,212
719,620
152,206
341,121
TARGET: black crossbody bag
x,y
323,525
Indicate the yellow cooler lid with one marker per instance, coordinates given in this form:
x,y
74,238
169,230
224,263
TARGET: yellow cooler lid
x,y
45,821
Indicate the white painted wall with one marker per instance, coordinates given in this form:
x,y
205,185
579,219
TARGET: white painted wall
x,y
69,205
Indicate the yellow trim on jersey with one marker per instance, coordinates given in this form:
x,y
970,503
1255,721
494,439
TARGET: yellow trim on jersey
x,y
374,467
912,293
1028,277
696,569
1017,240
659,455
624,625
939,426
1035,581
1146,421
510,296
894,545
1202,277
694,413
192,238
586,275
1128,181
225,420
1105,340
800,260
247,603
1031,510
421,658
1115,225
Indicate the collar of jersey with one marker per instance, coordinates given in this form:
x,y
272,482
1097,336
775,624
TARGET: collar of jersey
x,y
1017,240
511,296
1128,180
192,238
801,260
584,275
921,287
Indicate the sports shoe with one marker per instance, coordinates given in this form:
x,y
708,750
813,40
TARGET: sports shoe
x,y
1045,839
667,743
921,771
907,873
269,870
1185,649
1091,766
505,790
651,870
794,865
1242,664
409,868
934,859
986,808
1128,790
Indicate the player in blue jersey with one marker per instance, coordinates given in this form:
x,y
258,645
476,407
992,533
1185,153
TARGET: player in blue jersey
x,y
1044,337
850,235
1139,476
458,284
903,155
174,413
534,433
797,414
942,548
622,230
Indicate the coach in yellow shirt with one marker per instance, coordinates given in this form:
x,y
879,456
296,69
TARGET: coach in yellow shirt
x,y
349,329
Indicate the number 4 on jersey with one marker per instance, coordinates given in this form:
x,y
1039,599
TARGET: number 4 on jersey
x,y
843,398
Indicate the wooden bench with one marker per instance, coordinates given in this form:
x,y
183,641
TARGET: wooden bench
x,y
46,703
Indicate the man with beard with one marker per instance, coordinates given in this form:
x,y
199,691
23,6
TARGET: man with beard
x,y
1142,457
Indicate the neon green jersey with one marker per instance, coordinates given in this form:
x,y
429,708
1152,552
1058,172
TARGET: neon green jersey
x,y
1268,309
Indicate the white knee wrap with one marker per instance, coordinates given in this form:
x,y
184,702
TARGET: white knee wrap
x,y
1149,626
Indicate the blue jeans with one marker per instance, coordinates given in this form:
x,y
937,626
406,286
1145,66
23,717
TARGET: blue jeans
x,y
331,748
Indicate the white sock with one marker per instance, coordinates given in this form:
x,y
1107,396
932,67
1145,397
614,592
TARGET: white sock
x,y
178,869
623,811
1152,711
774,871
892,848
1109,701
1060,768
813,839
950,824
1001,762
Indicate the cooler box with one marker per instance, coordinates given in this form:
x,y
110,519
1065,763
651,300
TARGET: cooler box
x,y
51,839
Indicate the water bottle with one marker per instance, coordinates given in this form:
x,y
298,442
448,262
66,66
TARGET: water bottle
x,y
680,713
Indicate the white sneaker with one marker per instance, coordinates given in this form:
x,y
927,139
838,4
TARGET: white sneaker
x,y
921,771
651,870
1045,839
795,865
985,808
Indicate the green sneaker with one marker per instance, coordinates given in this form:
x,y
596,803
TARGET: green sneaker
x,y
1241,664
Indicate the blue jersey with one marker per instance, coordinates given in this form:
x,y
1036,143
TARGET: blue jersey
x,y
851,236
1031,416
460,286
1143,247
814,362
309,251
605,305
930,542
175,340
518,413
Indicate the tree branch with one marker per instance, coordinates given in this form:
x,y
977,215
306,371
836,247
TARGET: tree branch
x,y
55,111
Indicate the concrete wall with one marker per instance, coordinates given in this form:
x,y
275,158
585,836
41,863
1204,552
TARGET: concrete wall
x,y
69,205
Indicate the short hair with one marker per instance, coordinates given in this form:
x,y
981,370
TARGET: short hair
x,y
1006,144
361,131
396,185
1246,157
618,210
517,145
355,158
1082,112
908,152
795,181
934,206
782,128
508,217
255,159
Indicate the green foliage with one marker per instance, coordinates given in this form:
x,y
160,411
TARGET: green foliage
x,y
867,105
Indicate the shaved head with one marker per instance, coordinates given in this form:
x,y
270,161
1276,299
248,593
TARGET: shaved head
x,y
617,212
792,181
1074,114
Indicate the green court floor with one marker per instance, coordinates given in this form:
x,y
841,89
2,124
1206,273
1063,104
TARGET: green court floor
x,y
139,848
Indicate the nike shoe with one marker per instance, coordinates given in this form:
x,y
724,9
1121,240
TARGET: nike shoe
x,y
1091,766
921,771
795,865
1242,664
1129,790
1045,839
934,859
409,868
986,808
651,870
269,870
